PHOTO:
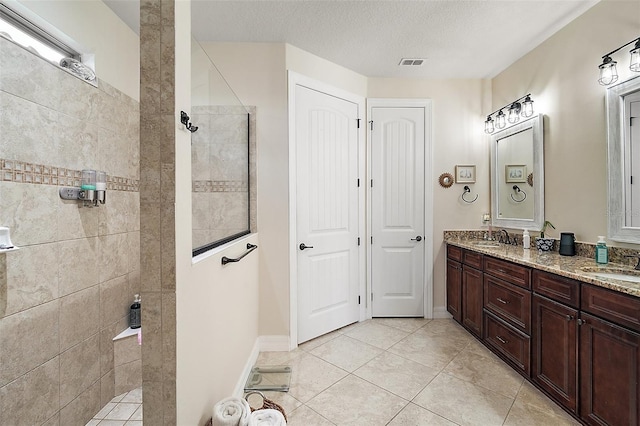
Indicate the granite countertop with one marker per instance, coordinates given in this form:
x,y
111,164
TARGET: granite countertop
x,y
566,266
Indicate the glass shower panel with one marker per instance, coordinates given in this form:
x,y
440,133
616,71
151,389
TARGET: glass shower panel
x,y
219,157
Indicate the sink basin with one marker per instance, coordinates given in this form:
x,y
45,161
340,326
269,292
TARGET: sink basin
x,y
488,244
629,275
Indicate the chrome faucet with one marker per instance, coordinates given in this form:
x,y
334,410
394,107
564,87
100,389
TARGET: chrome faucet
x,y
505,239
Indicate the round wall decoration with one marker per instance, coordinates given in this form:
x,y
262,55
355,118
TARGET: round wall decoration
x,y
445,180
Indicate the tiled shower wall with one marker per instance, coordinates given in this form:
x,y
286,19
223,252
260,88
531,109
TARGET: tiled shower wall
x,y
220,171
65,294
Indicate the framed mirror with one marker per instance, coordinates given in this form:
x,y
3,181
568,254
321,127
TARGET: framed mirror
x,y
623,140
517,175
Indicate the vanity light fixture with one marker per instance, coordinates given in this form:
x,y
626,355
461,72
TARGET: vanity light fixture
x,y
608,70
521,107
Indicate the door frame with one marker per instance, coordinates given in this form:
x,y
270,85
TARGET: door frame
x,y
295,79
428,196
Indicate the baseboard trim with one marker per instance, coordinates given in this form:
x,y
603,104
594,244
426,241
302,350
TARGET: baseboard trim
x,y
440,312
251,361
274,343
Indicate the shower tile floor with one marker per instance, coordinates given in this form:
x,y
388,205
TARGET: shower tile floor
x,y
123,410
391,371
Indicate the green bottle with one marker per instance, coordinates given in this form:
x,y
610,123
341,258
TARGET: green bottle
x,y
602,252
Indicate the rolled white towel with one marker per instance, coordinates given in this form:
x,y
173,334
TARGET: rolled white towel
x,y
231,412
267,417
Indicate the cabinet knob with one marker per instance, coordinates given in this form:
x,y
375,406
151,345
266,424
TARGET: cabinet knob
x,y
581,321
569,317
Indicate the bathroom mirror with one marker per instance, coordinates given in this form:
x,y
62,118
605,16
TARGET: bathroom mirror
x,y
623,139
222,158
517,175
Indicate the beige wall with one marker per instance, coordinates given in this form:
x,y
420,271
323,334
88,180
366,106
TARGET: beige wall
x,y
561,74
91,27
457,138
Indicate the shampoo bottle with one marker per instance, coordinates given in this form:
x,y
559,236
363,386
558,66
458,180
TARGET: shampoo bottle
x,y
602,252
134,313
526,240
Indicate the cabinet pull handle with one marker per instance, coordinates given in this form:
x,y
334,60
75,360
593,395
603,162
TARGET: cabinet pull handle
x,y
504,342
581,321
501,300
569,317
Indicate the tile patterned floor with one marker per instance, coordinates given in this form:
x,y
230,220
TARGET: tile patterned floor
x,y
123,410
406,372
396,372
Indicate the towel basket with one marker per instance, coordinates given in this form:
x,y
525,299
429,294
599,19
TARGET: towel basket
x,y
266,404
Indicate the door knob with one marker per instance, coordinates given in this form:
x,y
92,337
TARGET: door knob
x,y
418,238
303,246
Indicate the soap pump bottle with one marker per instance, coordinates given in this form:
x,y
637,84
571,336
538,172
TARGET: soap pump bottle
x,y
134,313
526,240
602,252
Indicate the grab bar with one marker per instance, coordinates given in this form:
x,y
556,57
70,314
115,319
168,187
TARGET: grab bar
x,y
250,248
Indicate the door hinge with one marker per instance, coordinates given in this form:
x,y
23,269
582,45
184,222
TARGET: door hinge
x,y
358,121
358,300
372,183
372,240
372,297
358,240
358,182
371,122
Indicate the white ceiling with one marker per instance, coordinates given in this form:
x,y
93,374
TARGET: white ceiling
x,y
459,39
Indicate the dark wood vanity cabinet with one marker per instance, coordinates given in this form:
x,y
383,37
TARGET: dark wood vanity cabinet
x,y
454,289
578,342
454,282
555,337
472,300
609,358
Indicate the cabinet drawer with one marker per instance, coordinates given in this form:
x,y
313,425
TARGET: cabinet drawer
x,y
510,272
509,302
454,253
506,340
472,258
617,307
560,289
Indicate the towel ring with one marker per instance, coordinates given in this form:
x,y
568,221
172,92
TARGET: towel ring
x,y
467,190
517,189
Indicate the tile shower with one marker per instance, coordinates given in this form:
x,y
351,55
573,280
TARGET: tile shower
x,y
65,294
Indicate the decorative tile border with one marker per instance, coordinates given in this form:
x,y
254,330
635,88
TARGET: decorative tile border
x,y
21,172
219,186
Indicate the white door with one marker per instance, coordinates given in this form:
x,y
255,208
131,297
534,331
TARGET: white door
x,y
327,212
398,211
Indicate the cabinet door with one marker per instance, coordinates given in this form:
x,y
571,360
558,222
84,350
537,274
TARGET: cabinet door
x,y
472,300
609,373
555,350
454,289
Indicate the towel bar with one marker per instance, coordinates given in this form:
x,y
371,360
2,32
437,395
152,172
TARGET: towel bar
x,y
250,248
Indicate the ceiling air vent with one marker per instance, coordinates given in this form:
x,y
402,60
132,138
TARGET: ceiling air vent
x,y
410,62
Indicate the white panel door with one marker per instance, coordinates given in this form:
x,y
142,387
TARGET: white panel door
x,y
327,212
397,217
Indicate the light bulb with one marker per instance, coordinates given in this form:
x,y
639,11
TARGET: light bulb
x,y
527,107
608,71
501,121
514,112
634,65
488,125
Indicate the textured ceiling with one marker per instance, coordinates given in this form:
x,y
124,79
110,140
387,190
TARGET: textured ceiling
x,y
459,39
